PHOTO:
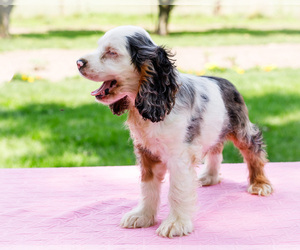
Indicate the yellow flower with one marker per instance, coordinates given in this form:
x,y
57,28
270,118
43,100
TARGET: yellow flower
x,y
30,79
211,66
24,77
268,68
239,70
201,72
214,67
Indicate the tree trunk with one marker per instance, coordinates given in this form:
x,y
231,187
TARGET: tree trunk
x,y
165,7
5,10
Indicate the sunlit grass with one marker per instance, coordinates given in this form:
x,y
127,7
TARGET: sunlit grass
x,y
48,124
178,20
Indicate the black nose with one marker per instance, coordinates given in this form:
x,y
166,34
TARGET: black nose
x,y
81,63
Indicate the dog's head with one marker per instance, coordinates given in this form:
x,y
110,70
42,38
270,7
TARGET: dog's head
x,y
134,72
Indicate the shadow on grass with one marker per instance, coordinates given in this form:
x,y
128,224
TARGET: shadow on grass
x,y
238,31
272,104
87,135
221,31
69,34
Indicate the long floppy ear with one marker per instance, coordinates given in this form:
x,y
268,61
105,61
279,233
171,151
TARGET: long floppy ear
x,y
120,107
158,81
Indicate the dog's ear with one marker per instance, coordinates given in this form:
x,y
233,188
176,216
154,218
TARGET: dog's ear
x,y
158,81
119,107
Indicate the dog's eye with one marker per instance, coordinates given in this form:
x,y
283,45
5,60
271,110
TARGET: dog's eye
x,y
111,53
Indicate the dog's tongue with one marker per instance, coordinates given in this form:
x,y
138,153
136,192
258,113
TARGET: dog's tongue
x,y
101,90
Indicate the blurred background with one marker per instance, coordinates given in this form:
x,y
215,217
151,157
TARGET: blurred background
x,y
49,119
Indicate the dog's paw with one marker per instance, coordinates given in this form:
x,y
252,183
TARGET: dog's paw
x,y
137,218
262,189
207,180
172,227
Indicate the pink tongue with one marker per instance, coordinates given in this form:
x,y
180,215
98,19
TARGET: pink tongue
x,y
97,91
100,90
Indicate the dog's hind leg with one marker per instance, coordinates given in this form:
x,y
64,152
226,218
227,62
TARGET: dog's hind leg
x,y
250,143
210,173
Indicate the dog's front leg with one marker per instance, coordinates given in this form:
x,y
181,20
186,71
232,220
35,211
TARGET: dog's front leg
x,y
144,215
182,199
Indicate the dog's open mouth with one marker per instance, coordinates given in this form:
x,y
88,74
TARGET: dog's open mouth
x,y
105,89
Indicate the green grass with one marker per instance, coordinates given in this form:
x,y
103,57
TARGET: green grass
x,y
177,20
47,124
82,31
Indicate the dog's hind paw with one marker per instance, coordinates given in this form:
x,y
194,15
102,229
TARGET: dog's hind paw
x,y
261,189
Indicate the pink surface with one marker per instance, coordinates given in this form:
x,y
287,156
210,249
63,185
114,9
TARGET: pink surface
x,y
83,206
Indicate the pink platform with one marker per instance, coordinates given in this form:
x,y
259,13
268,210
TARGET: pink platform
x,y
82,207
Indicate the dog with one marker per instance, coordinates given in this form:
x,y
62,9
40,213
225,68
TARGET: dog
x,y
176,120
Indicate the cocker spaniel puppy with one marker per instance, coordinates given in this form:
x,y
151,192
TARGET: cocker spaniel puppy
x,y
176,120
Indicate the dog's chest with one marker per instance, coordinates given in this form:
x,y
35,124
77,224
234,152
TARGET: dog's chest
x,y
160,138
149,135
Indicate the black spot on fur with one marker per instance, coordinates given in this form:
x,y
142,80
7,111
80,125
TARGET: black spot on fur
x,y
194,127
204,97
237,97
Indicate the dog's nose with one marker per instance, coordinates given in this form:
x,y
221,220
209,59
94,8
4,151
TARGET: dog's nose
x,y
81,63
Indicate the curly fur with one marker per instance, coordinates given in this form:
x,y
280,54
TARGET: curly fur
x,y
158,84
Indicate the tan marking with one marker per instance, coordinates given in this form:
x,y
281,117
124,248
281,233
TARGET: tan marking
x,y
255,163
147,162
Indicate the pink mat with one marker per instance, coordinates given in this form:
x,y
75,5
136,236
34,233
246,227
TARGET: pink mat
x,y
83,207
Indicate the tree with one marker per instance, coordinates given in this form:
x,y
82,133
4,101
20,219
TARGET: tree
x,y
5,10
165,7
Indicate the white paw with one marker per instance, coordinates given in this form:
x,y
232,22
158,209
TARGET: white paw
x,y
207,180
137,218
175,227
260,189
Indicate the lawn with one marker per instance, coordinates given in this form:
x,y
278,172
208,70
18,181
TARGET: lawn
x,y
58,124
81,31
